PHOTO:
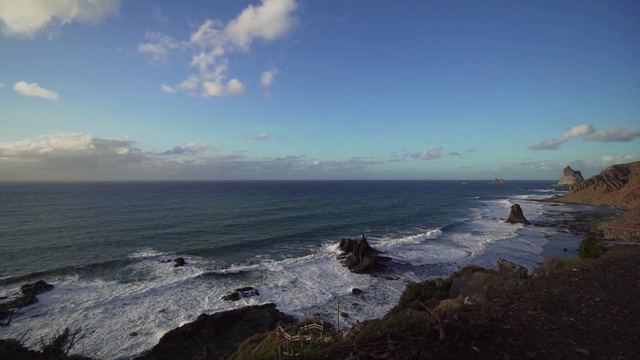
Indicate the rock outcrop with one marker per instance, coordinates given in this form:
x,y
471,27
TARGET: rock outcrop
x,y
570,177
218,335
29,292
237,294
507,268
516,216
363,258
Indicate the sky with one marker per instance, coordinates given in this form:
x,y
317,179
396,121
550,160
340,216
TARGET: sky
x,y
317,89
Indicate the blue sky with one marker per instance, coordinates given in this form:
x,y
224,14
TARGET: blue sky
x,y
292,89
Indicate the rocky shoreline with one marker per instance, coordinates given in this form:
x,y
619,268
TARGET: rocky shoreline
x,y
476,313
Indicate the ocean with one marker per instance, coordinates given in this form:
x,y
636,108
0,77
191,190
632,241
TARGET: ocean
x,y
102,245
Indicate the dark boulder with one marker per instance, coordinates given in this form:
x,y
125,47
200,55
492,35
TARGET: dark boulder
x,y
237,294
28,297
217,335
35,288
179,262
516,216
363,259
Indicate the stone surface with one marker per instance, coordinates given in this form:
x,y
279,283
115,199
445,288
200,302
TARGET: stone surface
x,y
218,335
516,216
570,177
447,306
507,268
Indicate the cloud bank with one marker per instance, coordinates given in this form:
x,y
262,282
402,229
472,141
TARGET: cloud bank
x,y
26,18
33,89
210,45
588,132
429,154
573,132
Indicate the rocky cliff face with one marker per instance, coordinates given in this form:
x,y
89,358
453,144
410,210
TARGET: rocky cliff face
x,y
617,185
570,177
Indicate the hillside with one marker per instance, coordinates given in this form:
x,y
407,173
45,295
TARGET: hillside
x,y
617,185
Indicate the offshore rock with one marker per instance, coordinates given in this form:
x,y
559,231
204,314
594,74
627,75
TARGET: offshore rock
x,y
516,216
237,294
29,292
218,335
179,262
570,177
35,288
363,259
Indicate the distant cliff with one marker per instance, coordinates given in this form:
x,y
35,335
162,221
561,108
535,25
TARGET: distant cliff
x,y
617,185
570,177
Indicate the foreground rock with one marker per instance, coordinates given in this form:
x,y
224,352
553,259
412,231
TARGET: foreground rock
x,y
516,216
570,177
363,258
218,335
507,268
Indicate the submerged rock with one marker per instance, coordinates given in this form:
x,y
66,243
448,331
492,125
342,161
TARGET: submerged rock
x,y
516,216
237,294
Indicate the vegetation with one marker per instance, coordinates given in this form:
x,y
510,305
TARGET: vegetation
x,y
590,248
427,292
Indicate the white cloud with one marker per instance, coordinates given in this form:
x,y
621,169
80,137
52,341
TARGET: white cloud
x,y
609,160
235,87
25,18
33,89
192,148
268,21
212,88
159,46
429,154
261,136
168,89
75,156
573,132
213,41
1,84
613,135
266,79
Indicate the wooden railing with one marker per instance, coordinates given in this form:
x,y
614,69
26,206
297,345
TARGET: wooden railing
x,y
309,332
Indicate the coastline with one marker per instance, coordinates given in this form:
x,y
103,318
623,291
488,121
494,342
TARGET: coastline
x,y
571,226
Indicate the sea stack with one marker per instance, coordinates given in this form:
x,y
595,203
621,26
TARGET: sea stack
x,y
516,216
570,177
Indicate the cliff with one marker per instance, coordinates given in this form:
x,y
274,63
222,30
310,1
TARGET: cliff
x,y
570,177
617,185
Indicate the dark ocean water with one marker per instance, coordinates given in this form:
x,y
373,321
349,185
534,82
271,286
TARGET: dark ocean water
x,y
100,244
